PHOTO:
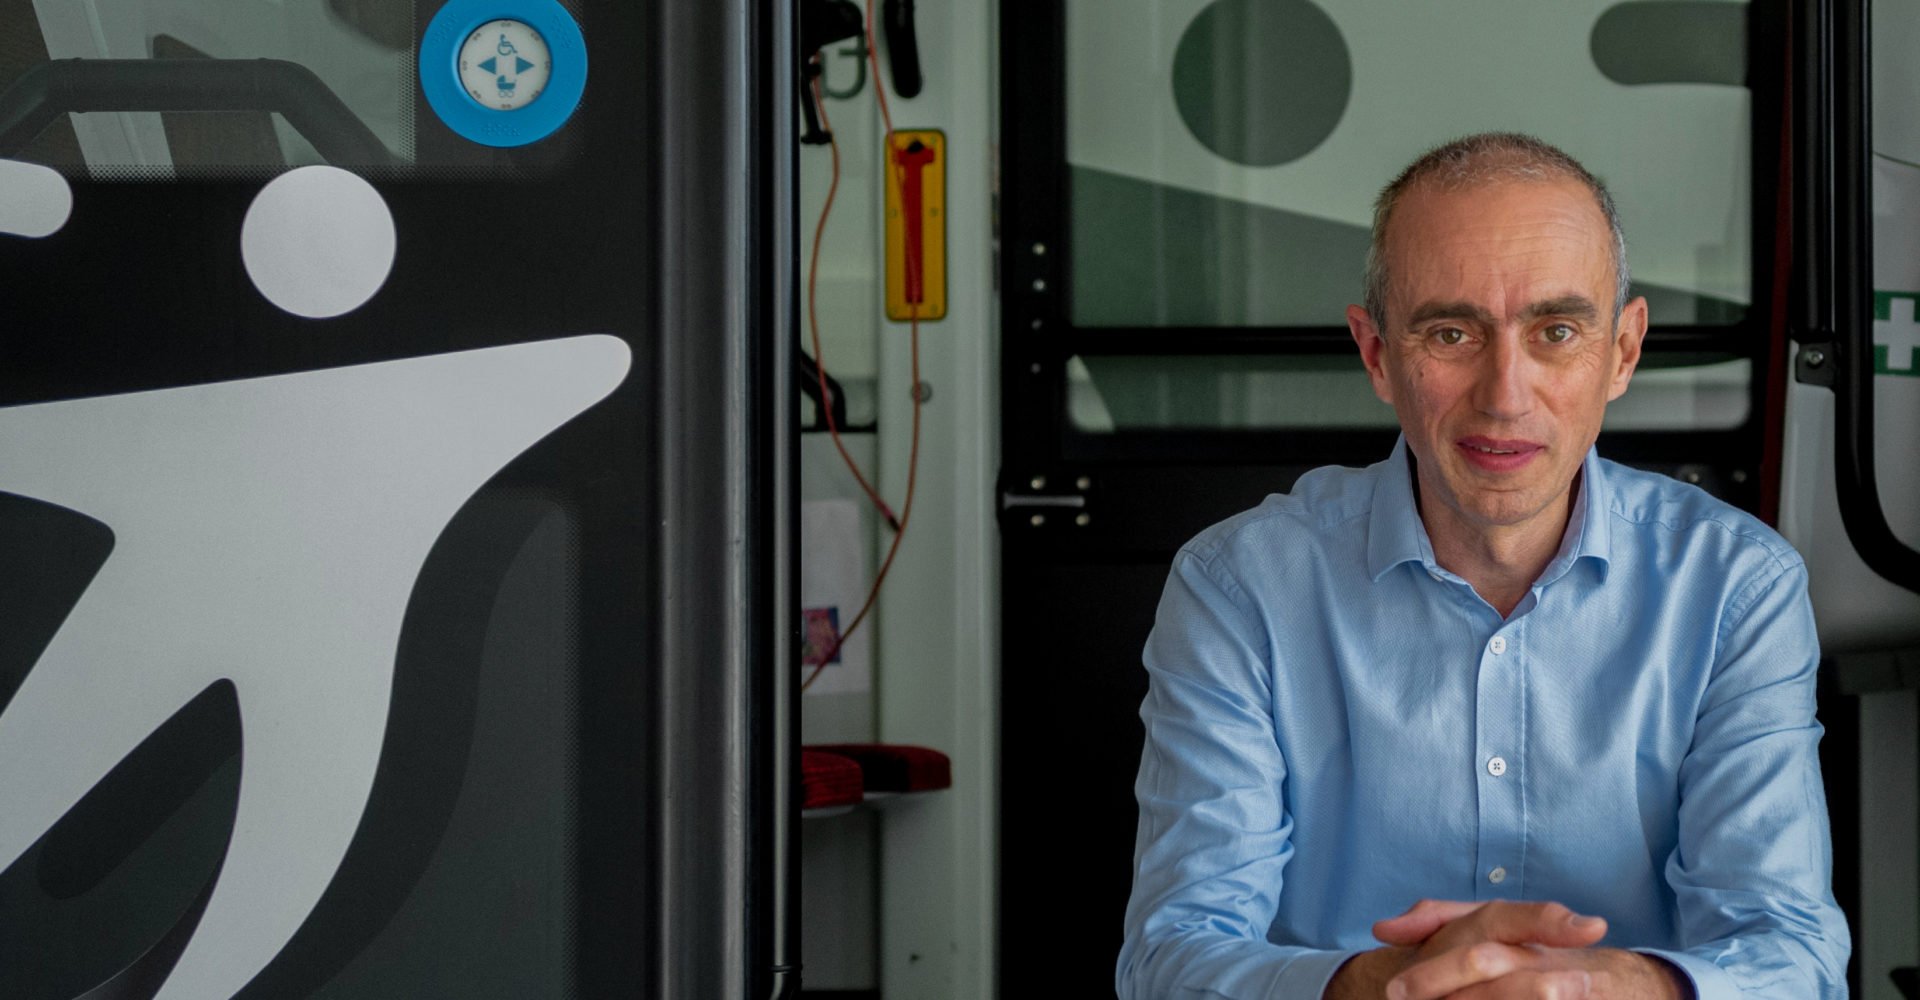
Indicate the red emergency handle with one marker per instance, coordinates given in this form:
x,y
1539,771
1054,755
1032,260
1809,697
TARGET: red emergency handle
x,y
911,159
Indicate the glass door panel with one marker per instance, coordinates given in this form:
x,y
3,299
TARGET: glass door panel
x,y
1224,156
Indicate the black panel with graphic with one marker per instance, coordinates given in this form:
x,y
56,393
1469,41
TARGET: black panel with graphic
x,y
343,480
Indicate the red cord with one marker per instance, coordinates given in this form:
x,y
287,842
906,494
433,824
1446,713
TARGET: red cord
x,y
913,313
813,313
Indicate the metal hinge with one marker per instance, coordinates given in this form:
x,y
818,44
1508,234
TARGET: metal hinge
x,y
1814,364
1042,508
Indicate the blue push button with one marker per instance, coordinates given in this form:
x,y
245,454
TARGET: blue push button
x,y
503,72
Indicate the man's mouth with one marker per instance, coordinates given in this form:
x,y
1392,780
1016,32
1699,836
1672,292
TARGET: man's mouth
x,y
1498,454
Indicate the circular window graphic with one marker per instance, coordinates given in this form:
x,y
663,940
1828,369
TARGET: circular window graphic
x,y
1262,82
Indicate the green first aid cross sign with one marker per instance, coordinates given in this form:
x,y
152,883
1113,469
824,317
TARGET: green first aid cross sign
x,y
1896,334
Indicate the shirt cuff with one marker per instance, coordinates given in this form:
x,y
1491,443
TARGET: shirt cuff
x,y
1710,982
1308,973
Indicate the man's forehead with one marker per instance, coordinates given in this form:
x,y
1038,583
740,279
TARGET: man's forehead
x,y
1447,233
1494,200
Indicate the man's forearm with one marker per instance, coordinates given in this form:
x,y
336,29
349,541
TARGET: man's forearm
x,y
1663,975
1364,976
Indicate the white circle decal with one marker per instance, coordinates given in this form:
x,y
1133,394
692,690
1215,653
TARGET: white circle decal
x,y
504,64
318,241
34,200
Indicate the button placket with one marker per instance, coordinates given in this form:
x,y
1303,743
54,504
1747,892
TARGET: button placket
x,y
1498,731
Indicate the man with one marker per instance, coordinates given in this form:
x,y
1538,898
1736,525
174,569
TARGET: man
x,y
1558,711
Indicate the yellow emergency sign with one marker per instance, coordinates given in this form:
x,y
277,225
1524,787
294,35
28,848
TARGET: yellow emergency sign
x,y
916,175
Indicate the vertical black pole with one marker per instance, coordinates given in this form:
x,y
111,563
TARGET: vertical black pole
x,y
781,759
726,252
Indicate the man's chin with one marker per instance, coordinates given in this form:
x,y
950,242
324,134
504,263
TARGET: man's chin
x,y
1501,507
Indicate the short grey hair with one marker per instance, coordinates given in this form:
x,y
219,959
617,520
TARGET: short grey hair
x,y
1483,159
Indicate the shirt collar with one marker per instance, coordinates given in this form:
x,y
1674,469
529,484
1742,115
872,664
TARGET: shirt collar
x,y
1395,533
1588,528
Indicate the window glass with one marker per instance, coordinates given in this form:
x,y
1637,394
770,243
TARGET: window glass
x,y
1224,154
351,64
1108,394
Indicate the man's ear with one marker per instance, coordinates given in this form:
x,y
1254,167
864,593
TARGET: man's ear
x,y
1372,351
1628,336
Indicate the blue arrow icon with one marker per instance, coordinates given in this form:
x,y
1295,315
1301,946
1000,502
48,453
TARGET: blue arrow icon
x,y
492,65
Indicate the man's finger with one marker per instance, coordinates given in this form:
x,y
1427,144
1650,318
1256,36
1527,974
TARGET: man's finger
x,y
1420,921
1456,969
1567,984
1549,924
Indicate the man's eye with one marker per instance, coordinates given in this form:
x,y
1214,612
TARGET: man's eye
x,y
1558,333
1450,336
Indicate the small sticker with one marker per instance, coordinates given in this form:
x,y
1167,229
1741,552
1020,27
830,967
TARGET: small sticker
x,y
505,64
822,636
1896,334
503,72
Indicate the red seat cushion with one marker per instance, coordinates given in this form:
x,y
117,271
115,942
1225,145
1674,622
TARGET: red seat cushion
x,y
895,767
828,779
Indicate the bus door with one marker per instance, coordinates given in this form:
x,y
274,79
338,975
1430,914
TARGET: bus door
x,y
1187,191
390,453
1851,476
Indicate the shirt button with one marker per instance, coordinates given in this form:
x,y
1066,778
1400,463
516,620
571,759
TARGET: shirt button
x,y
1498,645
1497,766
1497,876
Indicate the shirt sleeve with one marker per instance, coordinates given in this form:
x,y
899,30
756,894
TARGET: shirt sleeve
x,y
1752,875
1214,832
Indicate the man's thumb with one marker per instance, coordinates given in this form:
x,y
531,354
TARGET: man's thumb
x,y
1420,921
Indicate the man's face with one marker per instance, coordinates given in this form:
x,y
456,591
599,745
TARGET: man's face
x,y
1501,351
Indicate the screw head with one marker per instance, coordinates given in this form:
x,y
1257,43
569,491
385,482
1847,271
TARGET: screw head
x,y
1037,520
1815,358
1039,249
922,392
1038,482
1083,519
1039,284
1084,482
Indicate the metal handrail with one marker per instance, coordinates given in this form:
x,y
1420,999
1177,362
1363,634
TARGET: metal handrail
x,y
52,89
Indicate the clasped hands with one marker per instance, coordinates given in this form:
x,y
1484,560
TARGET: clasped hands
x,y
1441,950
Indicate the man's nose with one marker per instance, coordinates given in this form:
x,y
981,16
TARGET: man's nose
x,y
1505,387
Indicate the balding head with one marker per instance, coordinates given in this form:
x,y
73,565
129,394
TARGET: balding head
x,y
1486,158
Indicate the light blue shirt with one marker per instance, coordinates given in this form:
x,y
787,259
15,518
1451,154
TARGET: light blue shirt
x,y
1338,727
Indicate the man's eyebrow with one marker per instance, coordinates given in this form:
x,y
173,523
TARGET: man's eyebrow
x,y
1450,310
1570,306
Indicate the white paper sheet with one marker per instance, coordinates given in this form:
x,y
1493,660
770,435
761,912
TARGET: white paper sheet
x,y
833,585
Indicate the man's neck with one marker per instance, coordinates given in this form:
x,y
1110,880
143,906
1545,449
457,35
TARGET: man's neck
x,y
1500,561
